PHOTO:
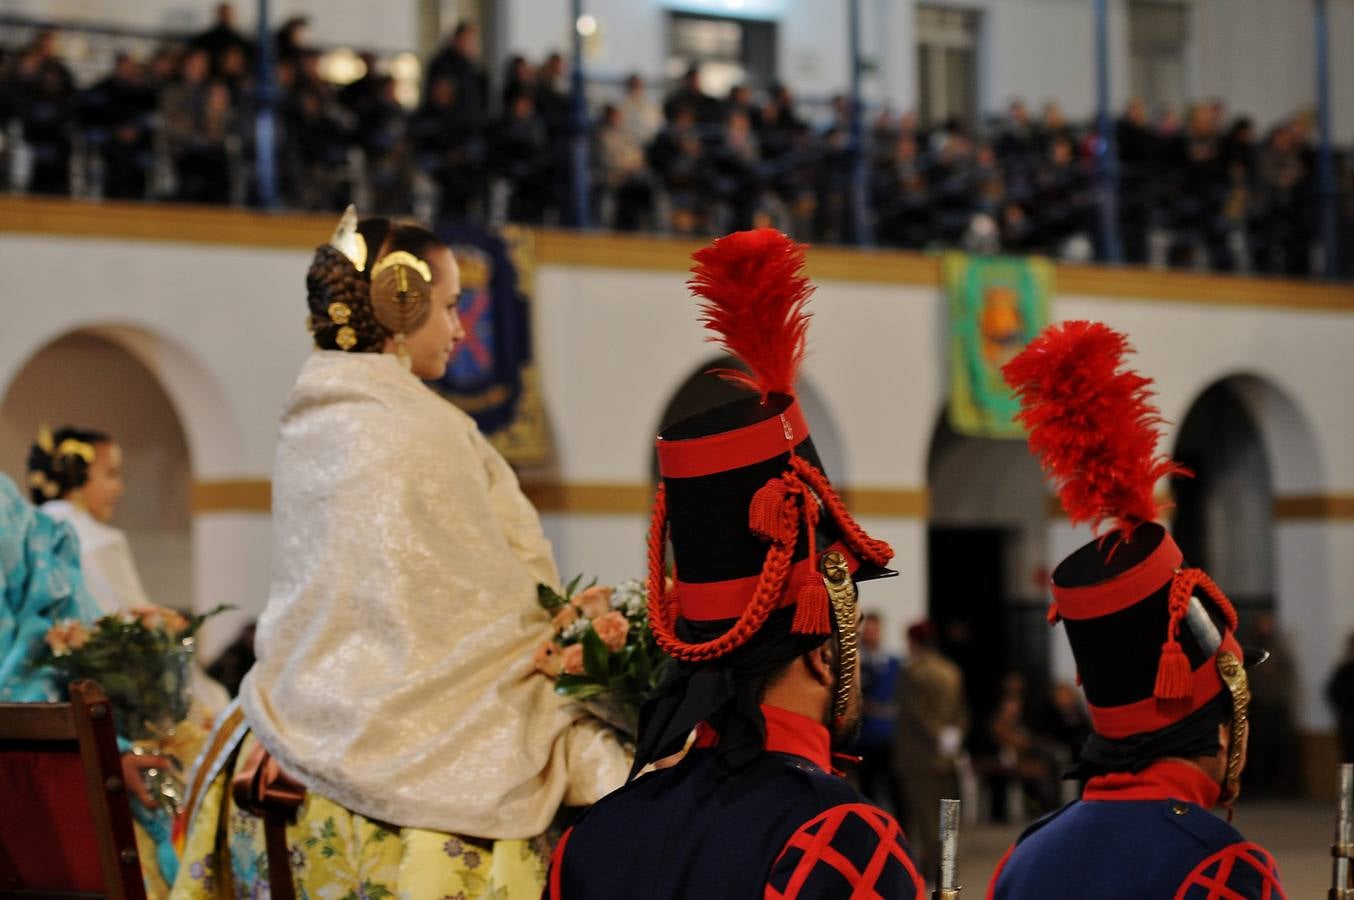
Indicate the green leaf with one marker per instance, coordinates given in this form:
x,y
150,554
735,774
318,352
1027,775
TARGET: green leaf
x,y
580,691
569,588
596,657
549,599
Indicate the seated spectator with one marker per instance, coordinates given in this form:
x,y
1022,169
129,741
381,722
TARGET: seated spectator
x,y
641,116
623,171
706,109
222,40
678,158
519,153
320,138
449,148
900,197
204,160
459,62
1281,246
291,39
383,132
1018,139
360,96
518,77
46,101
115,115
736,166
1064,723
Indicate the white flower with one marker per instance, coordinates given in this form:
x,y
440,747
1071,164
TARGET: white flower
x,y
630,597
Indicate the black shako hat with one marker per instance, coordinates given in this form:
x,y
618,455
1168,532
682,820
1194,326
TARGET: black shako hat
x,y
1154,640
751,515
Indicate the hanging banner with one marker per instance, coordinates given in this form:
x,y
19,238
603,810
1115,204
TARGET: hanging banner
x,y
492,375
997,305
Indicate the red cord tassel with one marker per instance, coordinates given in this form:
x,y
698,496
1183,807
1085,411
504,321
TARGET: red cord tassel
x,y
811,609
766,512
1053,616
1173,673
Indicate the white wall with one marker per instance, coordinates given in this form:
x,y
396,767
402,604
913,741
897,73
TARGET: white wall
x,y
1258,55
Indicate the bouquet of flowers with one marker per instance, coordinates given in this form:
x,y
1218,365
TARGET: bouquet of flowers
x,y
602,654
141,657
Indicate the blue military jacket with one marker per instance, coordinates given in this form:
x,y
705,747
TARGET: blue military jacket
x,y
783,827
1147,835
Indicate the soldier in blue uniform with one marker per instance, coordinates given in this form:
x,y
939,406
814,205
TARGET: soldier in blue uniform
x,y
1156,652
762,626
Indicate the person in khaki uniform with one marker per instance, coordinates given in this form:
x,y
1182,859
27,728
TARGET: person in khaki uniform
x,y
932,719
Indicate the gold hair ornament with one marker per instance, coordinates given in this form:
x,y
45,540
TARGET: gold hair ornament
x,y
402,258
401,297
72,447
348,240
1233,675
68,447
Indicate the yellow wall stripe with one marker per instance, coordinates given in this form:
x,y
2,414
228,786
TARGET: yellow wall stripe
x,y
242,495
1314,506
255,495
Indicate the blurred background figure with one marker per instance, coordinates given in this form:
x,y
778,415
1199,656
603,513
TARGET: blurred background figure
x,y
932,719
1273,766
879,672
1340,693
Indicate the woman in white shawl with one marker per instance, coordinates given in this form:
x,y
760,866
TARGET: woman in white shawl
x,y
394,681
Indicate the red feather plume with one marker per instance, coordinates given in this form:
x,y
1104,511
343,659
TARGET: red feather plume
x,y
1091,423
755,296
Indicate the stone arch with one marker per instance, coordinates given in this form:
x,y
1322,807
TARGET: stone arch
x,y
1294,553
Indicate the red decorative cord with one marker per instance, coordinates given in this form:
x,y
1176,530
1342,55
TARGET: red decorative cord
x,y
663,606
864,546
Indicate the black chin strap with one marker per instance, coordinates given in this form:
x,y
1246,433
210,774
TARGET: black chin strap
x,y
1193,736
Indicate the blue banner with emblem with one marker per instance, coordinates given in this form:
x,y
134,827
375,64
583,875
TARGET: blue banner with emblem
x,y
492,375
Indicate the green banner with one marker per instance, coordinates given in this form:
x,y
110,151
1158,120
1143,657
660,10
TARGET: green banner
x,y
998,304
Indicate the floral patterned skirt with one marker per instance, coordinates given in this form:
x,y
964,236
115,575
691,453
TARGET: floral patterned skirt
x,y
337,853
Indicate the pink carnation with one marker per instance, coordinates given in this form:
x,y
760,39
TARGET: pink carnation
x,y
67,635
595,601
547,659
573,659
566,616
612,629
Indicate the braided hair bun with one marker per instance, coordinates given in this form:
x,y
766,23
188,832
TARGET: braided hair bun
x,y
342,314
339,297
59,463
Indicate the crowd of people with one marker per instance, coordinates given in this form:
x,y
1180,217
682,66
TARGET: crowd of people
x,y
1195,190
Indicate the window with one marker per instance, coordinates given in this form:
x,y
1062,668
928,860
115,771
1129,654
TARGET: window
x,y
729,51
947,65
1158,43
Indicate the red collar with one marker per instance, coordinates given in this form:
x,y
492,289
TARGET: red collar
x,y
1165,780
786,732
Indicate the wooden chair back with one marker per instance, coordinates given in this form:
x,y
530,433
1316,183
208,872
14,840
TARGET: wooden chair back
x,y
65,821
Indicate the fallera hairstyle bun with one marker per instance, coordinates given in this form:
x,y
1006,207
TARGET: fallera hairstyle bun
x,y
59,463
342,314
